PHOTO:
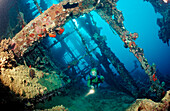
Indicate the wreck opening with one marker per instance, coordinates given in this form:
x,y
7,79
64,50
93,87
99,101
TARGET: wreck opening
x,y
56,51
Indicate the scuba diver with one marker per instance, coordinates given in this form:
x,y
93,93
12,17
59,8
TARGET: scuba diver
x,y
94,79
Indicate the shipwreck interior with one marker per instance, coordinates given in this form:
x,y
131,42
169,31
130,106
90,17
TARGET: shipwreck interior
x,y
48,47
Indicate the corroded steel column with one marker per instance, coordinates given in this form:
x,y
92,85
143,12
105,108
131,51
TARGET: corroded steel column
x,y
106,10
106,51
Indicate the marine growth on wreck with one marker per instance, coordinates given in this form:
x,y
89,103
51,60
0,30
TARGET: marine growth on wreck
x,y
89,55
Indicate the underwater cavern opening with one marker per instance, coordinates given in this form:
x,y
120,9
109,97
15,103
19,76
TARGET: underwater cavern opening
x,y
48,62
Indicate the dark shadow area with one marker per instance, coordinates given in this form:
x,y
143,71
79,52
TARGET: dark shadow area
x,y
9,100
5,6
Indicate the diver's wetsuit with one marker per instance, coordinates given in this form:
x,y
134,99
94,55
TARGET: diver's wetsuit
x,y
94,80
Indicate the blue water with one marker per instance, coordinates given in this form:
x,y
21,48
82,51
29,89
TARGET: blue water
x,y
139,17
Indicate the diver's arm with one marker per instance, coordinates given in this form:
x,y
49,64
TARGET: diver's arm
x,y
102,79
88,81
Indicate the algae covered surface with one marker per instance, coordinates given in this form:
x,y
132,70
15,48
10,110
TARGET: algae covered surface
x,y
20,82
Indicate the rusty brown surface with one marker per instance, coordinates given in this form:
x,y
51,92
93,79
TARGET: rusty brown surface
x,y
48,22
149,105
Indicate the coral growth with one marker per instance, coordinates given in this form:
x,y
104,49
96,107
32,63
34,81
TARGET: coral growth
x,y
149,105
47,23
56,108
18,80
22,80
5,44
6,57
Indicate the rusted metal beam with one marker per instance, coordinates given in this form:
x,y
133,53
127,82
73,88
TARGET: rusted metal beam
x,y
106,10
48,22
